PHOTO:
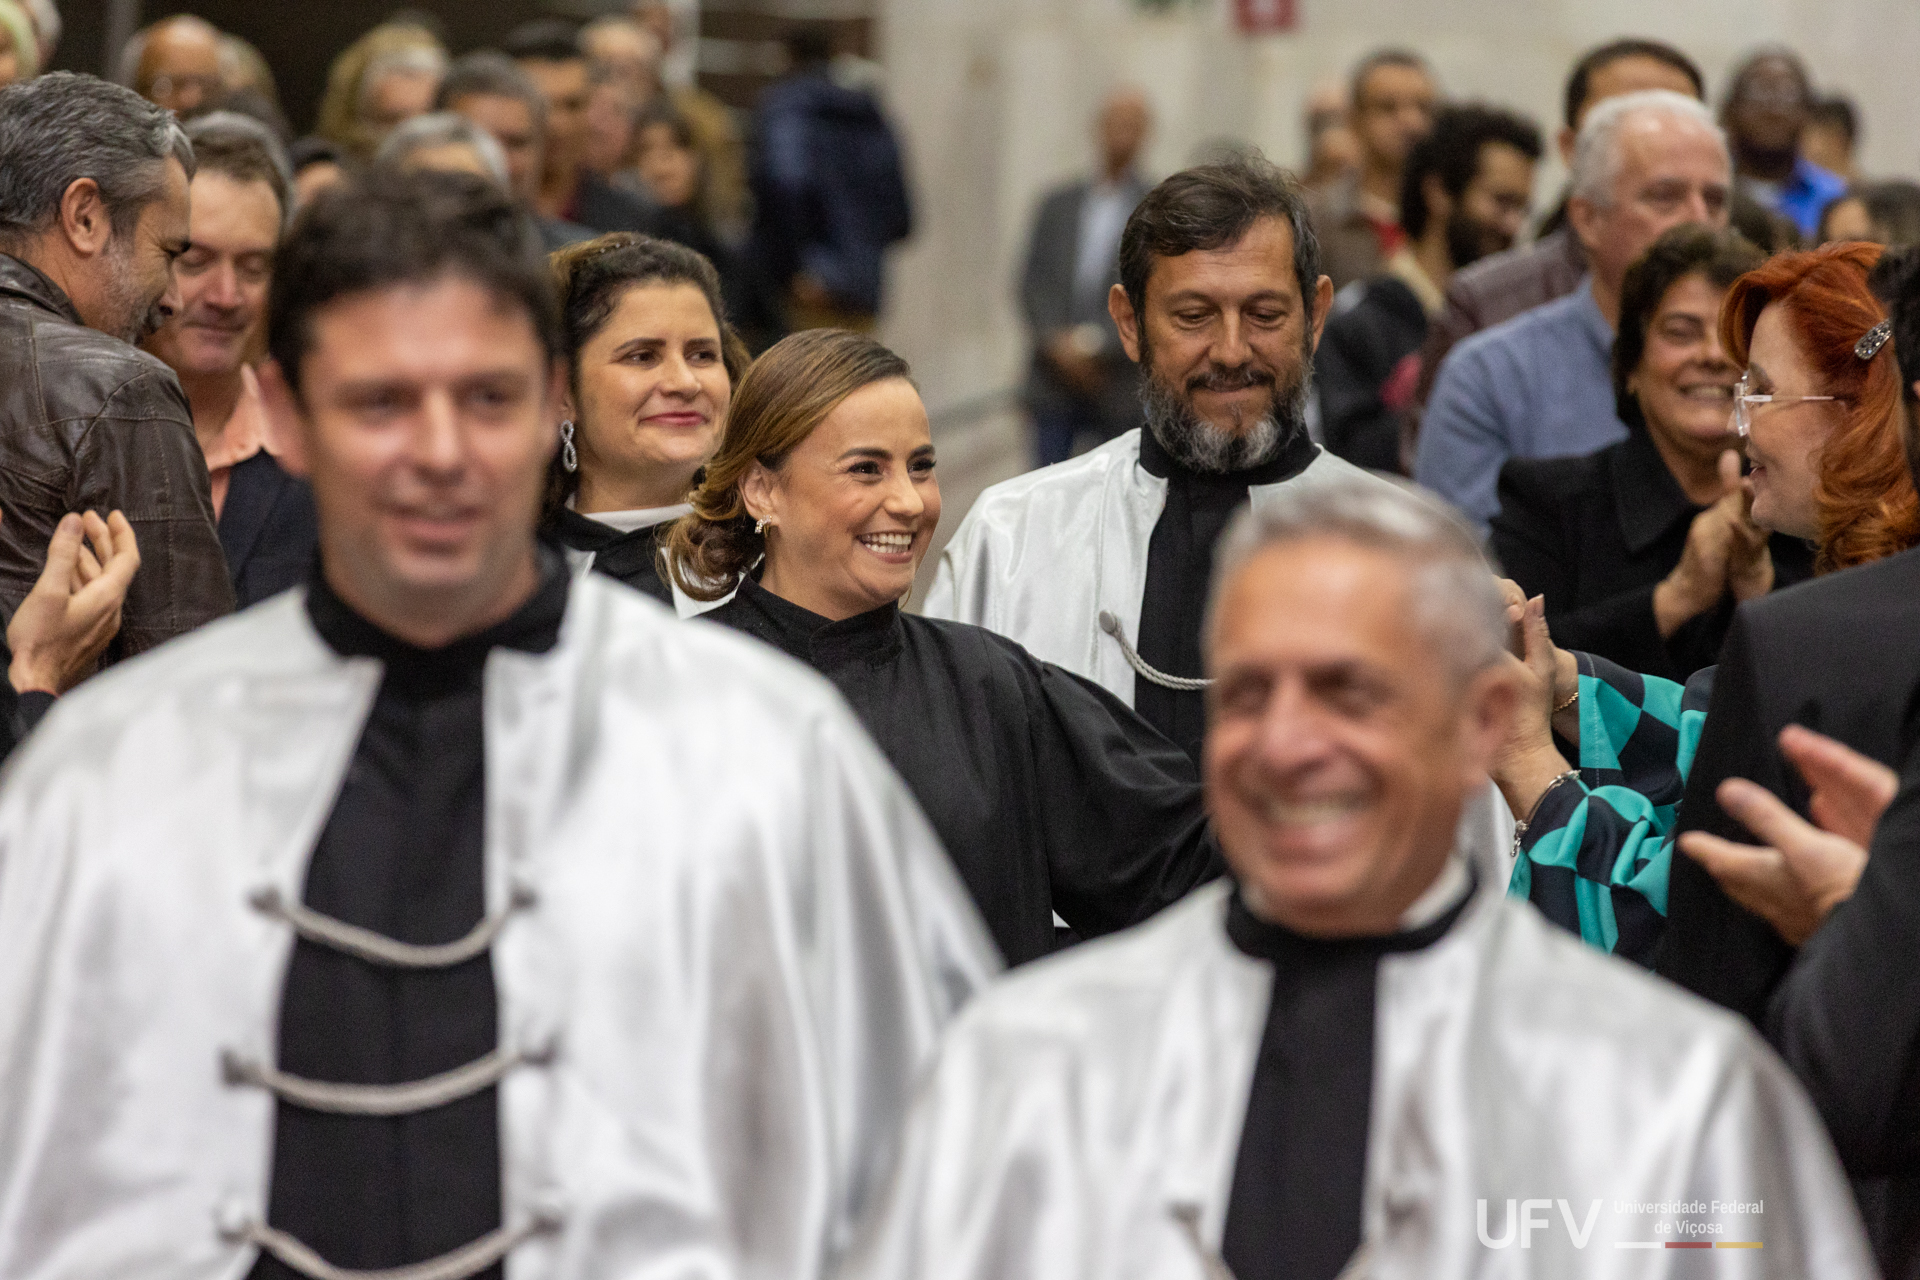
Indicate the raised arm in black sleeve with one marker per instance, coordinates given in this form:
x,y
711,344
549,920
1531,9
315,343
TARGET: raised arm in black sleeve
x,y
1712,945
1119,806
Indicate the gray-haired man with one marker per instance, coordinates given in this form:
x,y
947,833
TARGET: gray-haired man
x,y
93,212
1355,1058
1541,385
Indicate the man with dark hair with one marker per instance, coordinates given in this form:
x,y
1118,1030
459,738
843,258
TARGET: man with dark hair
x,y
1767,106
93,212
1465,194
491,92
465,918
1100,564
548,53
242,193
1500,287
1541,384
1358,219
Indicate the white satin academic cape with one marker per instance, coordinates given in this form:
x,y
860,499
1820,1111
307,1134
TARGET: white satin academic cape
x,y
742,940
1039,557
1083,1106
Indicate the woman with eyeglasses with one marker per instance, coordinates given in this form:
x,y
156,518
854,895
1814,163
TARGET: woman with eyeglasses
x,y
1050,795
651,364
1819,416
1643,549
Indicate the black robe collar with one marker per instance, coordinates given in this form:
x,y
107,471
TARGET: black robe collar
x,y
532,628
875,637
1267,941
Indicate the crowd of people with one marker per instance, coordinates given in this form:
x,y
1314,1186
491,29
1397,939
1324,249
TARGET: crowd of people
x,y
1435,777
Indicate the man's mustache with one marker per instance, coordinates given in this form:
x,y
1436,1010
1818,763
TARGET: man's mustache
x,y
1241,379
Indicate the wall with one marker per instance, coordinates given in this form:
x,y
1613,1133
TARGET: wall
x,y
995,97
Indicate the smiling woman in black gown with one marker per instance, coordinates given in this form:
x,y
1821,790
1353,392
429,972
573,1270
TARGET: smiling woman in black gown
x,y
651,364
1049,794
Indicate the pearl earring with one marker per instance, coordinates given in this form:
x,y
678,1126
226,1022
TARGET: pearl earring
x,y
759,527
569,457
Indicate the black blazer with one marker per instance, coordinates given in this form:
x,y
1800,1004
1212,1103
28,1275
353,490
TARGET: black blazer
x,y
1049,302
1374,327
1838,655
268,529
1595,535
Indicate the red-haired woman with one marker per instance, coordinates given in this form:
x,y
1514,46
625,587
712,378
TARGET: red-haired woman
x,y
1819,414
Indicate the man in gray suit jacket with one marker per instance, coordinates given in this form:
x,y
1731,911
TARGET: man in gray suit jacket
x,y
1081,382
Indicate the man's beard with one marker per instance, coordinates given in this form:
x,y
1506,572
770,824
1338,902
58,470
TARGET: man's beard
x,y
1469,240
136,314
1200,445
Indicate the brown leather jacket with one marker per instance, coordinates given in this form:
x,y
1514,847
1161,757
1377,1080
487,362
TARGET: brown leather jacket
x,y
90,423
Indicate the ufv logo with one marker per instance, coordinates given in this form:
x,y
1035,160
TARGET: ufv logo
x,y
1521,1223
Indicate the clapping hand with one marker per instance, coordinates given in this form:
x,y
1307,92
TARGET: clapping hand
x,y
1529,761
1725,551
1804,870
60,629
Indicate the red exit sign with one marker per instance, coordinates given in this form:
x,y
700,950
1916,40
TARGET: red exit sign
x,y
1260,16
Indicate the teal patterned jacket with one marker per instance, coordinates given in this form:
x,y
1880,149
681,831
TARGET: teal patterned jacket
x,y
1595,857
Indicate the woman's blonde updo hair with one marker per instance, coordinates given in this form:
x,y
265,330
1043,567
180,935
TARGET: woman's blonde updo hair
x,y
787,393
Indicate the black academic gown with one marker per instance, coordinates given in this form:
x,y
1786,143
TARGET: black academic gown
x,y
1179,569
625,557
1299,1177
401,854
1047,792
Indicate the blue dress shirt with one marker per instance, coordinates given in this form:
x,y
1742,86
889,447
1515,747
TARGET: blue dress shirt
x,y
1538,386
1805,195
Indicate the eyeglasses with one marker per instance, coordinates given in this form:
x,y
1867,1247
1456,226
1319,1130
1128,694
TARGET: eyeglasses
x,y
1744,403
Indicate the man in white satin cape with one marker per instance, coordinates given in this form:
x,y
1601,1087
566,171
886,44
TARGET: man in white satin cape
x,y
446,916
1355,1058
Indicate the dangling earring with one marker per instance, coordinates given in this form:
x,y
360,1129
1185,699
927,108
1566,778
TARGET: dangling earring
x,y
569,458
759,527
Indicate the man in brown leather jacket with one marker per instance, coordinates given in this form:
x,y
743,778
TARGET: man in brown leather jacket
x,y
93,211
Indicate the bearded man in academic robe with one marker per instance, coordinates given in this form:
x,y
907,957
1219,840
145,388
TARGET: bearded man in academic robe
x,y
446,917
1355,1058
1100,564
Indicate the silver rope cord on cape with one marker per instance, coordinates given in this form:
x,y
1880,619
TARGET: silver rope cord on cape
x,y
458,1264
380,1099
339,1098
1147,671
377,948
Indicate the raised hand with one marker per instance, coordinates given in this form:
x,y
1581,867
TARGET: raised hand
x,y
1749,562
73,611
1802,872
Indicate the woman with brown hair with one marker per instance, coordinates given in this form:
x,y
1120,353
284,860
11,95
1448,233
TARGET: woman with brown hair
x,y
1819,415
651,365
1049,794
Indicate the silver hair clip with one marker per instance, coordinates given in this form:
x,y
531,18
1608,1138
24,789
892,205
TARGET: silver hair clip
x,y
1875,338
